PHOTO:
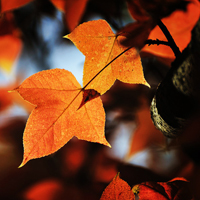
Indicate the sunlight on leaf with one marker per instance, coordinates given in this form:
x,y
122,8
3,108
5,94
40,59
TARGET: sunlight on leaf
x,y
96,40
56,117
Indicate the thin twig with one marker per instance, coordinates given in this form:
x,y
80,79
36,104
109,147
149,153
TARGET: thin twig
x,y
157,42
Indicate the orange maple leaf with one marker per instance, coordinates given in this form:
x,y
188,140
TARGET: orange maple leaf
x,y
96,40
118,189
12,4
175,189
73,11
180,24
57,117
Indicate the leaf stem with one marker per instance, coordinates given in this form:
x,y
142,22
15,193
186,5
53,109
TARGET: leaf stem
x,y
170,39
107,66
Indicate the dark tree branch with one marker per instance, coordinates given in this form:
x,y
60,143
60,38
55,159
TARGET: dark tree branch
x,y
171,41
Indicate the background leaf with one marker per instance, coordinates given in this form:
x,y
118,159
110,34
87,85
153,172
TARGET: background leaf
x,y
146,135
12,4
117,189
73,11
180,24
175,189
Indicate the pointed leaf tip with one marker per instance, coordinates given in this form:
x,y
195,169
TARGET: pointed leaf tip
x,y
106,143
147,84
21,165
66,36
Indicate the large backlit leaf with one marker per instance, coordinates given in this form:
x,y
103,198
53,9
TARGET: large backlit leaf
x,y
57,118
96,40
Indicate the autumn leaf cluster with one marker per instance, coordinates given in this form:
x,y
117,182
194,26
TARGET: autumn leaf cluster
x,y
63,109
